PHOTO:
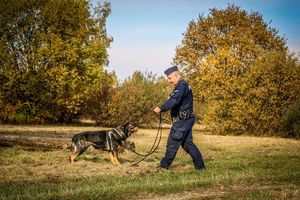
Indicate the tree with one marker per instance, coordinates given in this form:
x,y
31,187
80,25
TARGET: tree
x,y
96,108
135,99
240,69
52,56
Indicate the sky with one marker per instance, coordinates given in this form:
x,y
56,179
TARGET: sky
x,y
146,32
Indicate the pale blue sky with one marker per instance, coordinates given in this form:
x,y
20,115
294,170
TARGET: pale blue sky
x,y
146,32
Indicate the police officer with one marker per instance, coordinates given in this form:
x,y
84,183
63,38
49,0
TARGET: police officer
x,y
180,103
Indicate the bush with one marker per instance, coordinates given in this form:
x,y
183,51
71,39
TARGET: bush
x,y
291,120
134,100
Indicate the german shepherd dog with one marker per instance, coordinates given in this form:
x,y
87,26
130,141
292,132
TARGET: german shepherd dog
x,y
109,140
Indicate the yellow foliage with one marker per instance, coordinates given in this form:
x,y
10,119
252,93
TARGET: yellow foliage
x,y
240,69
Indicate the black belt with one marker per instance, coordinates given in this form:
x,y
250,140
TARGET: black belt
x,y
183,115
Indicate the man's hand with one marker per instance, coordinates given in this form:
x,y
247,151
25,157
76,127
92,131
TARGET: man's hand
x,y
157,110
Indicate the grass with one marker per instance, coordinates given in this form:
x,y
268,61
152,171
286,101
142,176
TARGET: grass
x,y
237,168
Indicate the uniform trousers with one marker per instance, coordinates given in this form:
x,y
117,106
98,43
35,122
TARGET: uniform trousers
x,y
181,134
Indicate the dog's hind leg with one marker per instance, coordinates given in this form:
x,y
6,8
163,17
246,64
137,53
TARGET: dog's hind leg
x,y
74,153
73,156
77,150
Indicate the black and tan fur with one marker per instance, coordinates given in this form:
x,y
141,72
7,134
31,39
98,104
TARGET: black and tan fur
x,y
109,140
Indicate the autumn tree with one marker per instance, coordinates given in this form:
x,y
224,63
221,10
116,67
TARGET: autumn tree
x,y
52,57
97,107
240,69
135,99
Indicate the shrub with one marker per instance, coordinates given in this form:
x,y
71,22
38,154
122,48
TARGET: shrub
x,y
291,120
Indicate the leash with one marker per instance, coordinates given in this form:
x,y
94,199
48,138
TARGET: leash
x,y
156,141
164,120
161,119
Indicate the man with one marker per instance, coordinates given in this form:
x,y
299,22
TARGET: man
x,y
180,103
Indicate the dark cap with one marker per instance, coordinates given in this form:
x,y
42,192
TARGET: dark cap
x,y
171,70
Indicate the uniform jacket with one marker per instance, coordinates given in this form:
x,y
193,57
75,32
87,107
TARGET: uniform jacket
x,y
181,99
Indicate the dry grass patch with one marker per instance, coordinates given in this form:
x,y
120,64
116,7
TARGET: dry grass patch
x,y
238,167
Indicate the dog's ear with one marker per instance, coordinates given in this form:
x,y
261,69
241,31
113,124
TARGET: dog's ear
x,y
130,125
125,127
134,123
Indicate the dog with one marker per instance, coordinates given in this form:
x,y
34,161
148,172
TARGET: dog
x,y
109,140
127,145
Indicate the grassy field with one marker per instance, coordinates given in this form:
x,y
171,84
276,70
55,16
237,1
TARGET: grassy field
x,y
237,168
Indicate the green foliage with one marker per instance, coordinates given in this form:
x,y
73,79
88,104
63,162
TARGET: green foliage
x,y
96,107
135,99
52,57
240,69
291,120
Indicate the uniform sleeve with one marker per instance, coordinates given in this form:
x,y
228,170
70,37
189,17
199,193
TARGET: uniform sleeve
x,y
175,98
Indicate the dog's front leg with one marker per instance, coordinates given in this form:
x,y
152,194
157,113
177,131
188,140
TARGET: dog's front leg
x,y
112,160
116,157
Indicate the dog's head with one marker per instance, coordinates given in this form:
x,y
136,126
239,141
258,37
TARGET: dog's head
x,y
130,127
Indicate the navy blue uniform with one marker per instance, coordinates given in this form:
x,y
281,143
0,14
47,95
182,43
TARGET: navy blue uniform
x,y
181,101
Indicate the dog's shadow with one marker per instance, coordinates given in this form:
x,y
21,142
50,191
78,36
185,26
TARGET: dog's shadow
x,y
93,158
